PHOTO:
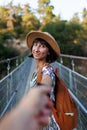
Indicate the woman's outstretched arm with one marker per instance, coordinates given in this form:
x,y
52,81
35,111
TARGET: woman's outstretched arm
x,y
32,111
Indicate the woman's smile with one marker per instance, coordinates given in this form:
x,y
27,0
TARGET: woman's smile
x,y
36,54
39,51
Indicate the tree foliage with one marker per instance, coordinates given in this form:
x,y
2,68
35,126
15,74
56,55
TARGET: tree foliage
x,y
45,11
30,22
70,35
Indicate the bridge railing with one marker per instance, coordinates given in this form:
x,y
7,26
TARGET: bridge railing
x,y
14,85
7,65
76,63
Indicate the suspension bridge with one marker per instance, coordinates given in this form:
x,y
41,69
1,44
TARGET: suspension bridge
x,y
15,82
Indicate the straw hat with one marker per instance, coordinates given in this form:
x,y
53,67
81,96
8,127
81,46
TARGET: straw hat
x,y
45,36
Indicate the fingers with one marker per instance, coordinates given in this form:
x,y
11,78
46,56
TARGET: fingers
x,y
36,95
45,89
44,98
45,108
42,117
39,90
42,89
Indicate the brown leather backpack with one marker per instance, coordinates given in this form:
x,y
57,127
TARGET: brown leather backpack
x,y
65,110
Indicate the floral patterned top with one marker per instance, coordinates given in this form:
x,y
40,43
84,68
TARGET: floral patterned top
x,y
47,70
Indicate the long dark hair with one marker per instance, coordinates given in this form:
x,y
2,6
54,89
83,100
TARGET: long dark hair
x,y
52,55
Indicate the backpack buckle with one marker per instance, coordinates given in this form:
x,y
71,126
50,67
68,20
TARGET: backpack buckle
x,y
69,114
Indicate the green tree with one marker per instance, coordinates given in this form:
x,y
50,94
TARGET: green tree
x,y
69,36
84,14
11,16
18,10
75,18
26,9
30,22
57,30
7,52
45,11
3,17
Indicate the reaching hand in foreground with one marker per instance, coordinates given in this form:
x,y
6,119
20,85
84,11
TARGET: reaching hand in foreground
x,y
32,112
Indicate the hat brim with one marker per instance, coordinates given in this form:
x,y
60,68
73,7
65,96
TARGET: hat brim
x,y
44,35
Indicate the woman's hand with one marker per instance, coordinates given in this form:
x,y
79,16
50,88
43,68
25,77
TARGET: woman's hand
x,y
32,112
38,105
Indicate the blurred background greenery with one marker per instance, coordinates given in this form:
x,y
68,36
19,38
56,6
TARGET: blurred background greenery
x,y
16,21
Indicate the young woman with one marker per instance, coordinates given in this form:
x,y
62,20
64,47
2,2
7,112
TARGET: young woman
x,y
45,50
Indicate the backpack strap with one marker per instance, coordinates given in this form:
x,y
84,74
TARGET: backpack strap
x,y
56,71
39,75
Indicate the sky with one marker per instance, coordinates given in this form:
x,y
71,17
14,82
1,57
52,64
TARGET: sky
x,y
66,8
